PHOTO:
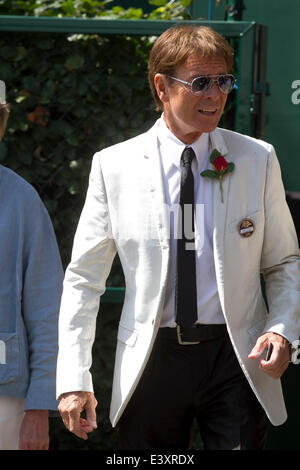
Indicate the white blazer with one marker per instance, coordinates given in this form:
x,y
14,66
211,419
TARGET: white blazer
x,y
125,212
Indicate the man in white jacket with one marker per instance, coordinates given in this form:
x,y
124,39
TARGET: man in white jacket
x,y
196,214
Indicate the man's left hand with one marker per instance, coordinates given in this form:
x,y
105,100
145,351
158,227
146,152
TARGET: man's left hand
x,y
280,356
34,432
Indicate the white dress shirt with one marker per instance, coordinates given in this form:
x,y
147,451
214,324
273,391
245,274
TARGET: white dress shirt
x,y
171,148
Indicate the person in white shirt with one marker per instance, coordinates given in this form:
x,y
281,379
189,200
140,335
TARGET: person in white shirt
x,y
196,214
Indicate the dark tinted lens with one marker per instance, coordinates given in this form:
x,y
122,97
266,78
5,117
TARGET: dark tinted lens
x,y
200,84
226,83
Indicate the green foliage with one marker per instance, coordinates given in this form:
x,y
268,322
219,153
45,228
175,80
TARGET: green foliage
x,y
70,97
165,9
210,174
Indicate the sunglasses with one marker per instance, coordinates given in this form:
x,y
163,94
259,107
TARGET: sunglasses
x,y
201,84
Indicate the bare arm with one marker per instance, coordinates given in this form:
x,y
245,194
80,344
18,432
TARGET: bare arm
x,y
34,432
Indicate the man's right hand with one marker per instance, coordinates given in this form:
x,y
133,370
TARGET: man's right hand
x,y
71,405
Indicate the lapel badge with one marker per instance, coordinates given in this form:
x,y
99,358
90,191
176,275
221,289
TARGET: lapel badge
x,y
246,228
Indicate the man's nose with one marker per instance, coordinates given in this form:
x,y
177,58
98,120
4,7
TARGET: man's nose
x,y
213,91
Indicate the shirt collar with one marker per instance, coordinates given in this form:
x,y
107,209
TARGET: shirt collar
x,y
174,147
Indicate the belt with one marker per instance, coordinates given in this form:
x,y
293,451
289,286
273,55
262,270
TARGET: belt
x,y
194,335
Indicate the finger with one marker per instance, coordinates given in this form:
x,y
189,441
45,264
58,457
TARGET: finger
x,y
275,373
74,423
259,348
85,426
65,420
90,411
79,432
275,367
64,416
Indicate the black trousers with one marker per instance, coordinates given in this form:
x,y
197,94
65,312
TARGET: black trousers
x,y
183,383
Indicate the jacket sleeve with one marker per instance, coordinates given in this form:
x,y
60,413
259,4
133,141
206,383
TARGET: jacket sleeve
x,y
92,256
42,286
280,265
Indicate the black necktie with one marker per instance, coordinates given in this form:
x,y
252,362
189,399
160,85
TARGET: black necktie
x,y
186,290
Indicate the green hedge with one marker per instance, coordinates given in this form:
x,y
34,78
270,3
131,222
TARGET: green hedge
x,y
70,97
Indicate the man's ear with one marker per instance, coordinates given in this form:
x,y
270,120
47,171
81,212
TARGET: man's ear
x,y
161,86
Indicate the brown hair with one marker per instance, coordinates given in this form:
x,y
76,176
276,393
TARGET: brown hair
x,y
4,112
177,43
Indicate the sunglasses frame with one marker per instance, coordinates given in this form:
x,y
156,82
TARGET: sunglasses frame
x,y
212,78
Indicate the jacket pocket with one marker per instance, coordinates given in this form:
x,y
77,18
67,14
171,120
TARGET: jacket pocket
x,y
127,335
9,357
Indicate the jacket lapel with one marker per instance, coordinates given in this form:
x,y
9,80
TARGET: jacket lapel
x,y
156,192
155,186
219,215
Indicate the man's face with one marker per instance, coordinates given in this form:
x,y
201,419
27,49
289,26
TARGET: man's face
x,y
188,115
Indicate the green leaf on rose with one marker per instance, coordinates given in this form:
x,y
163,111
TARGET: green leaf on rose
x,y
210,174
230,167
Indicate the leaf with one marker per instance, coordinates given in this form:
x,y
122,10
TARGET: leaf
x,y
19,99
117,10
68,7
74,62
20,53
25,158
73,139
8,52
210,174
230,167
45,44
158,3
186,3
214,154
7,72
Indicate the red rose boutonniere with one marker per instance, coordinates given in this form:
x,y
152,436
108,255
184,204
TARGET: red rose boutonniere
x,y
220,168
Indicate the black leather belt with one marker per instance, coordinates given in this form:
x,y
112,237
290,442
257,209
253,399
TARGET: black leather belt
x,y
194,335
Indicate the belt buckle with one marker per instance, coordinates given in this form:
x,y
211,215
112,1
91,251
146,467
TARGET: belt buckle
x,y
184,343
